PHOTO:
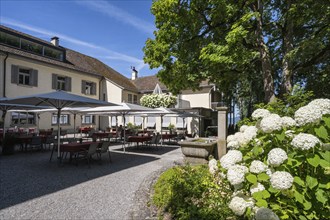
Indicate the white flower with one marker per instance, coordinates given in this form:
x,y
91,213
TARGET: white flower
x,y
239,136
256,188
269,172
231,138
281,180
276,157
308,114
271,123
257,167
260,113
289,133
304,141
266,214
288,121
233,145
322,104
238,205
243,127
232,157
213,166
236,174
257,141
250,132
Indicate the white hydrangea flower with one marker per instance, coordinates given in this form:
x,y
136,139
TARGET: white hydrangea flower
x,y
271,123
288,122
265,214
236,174
239,136
231,138
281,180
232,157
276,157
269,172
257,141
243,127
304,141
322,104
256,188
260,113
307,114
238,205
257,167
233,145
250,132
289,133
213,166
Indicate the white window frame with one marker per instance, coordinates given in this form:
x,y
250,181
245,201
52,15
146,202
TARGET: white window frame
x,y
88,88
60,84
88,119
26,76
64,119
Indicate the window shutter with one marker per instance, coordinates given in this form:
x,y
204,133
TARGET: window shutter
x,y
68,84
94,89
83,87
34,78
14,74
54,81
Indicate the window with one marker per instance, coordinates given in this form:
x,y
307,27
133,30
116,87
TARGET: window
x,y
88,88
23,118
130,98
52,53
31,46
61,83
64,119
24,76
135,99
88,119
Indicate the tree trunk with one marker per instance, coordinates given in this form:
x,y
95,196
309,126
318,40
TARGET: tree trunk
x,y
264,56
287,32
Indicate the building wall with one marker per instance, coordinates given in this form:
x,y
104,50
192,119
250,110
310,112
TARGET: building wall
x,y
45,72
197,99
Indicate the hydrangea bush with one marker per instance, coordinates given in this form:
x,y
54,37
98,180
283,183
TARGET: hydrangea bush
x,y
279,167
158,100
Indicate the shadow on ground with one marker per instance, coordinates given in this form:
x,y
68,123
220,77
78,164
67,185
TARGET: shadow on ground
x,y
25,176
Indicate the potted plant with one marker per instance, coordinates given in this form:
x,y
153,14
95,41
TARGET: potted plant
x,y
171,127
8,145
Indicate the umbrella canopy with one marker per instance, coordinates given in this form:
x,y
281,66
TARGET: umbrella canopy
x,y
5,107
122,109
59,100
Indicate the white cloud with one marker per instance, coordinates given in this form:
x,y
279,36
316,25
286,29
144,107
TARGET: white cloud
x,y
119,14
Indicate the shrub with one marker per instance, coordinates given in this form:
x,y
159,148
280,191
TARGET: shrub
x,y
189,192
280,168
158,100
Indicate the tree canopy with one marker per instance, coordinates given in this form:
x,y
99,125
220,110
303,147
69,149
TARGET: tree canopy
x,y
253,50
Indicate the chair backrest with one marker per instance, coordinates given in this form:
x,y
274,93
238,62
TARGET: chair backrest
x,y
36,140
105,147
153,139
92,148
157,139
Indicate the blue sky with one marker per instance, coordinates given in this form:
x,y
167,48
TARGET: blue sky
x,y
111,31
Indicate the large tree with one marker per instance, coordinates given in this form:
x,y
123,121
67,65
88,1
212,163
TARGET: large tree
x,y
249,48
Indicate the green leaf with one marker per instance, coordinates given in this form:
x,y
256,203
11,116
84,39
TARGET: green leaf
x,y
327,121
307,205
257,195
281,136
262,203
301,217
326,155
272,190
320,196
252,178
299,181
325,164
265,194
315,161
299,197
311,182
321,132
263,177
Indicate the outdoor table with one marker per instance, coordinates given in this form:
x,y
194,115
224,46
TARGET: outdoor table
x,y
138,139
101,135
168,136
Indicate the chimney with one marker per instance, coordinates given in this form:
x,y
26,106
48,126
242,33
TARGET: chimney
x,y
134,73
55,41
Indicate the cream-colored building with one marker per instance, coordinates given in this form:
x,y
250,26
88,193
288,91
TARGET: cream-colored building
x,y
29,65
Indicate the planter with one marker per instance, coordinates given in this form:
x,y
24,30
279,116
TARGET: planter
x,y
197,151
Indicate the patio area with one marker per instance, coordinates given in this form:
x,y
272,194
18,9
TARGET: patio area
x,y
34,188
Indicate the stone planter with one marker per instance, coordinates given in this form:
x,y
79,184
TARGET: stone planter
x,y
197,151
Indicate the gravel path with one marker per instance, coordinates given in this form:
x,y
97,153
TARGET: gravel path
x,y
33,188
